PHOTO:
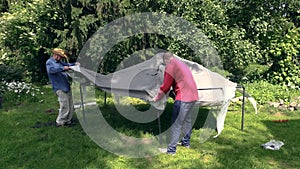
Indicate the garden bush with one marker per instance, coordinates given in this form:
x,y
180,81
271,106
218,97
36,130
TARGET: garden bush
x,y
11,73
254,72
265,92
14,93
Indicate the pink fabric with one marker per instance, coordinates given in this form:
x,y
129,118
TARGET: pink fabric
x,y
178,76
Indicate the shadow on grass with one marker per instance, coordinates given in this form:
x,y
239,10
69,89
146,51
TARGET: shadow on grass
x,y
120,123
231,150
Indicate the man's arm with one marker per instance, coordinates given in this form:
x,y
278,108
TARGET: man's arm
x,y
54,68
67,64
165,87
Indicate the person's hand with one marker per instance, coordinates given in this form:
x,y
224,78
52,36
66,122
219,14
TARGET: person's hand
x,y
66,68
153,99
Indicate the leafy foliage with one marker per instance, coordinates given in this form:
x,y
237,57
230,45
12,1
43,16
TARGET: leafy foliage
x,y
245,33
254,73
22,34
16,92
11,73
265,92
285,52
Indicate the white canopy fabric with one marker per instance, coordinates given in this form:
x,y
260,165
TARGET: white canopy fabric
x,y
143,81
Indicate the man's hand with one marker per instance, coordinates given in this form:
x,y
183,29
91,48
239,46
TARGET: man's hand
x,y
66,68
153,99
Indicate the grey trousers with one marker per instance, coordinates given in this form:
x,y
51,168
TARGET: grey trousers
x,y
181,122
66,107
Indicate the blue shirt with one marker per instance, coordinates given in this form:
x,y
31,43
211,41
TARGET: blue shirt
x,y
57,75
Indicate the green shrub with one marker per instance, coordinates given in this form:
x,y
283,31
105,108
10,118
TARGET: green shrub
x,y
265,92
11,73
286,67
254,72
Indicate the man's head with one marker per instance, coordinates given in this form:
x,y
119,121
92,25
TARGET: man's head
x,y
167,57
59,53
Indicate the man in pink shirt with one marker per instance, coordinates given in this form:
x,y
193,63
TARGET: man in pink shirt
x,y
178,76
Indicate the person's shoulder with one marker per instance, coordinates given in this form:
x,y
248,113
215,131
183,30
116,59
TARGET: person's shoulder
x,y
50,60
176,61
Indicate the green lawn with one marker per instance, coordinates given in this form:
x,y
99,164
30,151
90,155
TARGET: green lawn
x,y
49,147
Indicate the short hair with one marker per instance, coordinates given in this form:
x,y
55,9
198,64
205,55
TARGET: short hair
x,y
168,55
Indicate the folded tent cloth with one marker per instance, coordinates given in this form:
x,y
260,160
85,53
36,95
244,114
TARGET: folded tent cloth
x,y
273,145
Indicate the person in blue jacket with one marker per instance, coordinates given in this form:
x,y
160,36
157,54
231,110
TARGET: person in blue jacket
x,y
60,82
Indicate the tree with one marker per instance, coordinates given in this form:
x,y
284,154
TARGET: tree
x,y
245,33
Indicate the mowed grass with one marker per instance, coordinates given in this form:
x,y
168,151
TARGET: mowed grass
x,y
22,146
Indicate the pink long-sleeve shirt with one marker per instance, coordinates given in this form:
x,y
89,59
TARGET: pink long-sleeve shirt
x,y
178,76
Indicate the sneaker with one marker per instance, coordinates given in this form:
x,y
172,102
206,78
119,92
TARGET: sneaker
x,y
59,125
165,150
185,146
62,125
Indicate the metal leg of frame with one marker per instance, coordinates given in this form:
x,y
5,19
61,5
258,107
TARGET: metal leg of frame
x,y
82,104
243,109
105,98
243,106
159,127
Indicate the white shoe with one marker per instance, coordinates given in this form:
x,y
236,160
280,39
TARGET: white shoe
x,y
163,150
